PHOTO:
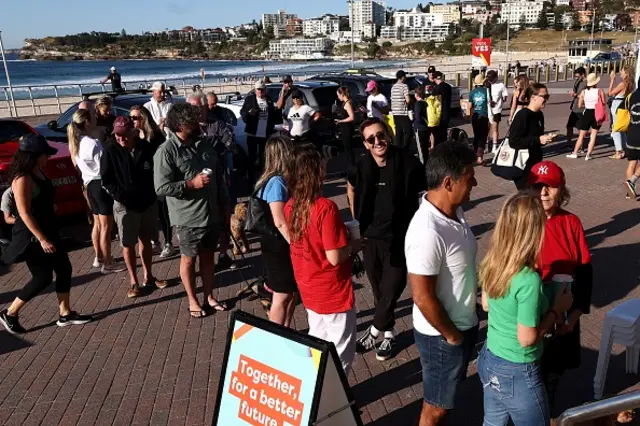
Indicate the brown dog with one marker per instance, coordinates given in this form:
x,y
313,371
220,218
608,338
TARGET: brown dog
x,y
238,219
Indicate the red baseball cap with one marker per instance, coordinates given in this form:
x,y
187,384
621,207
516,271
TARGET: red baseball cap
x,y
547,173
122,125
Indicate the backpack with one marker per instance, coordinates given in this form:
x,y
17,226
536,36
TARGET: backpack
x,y
434,110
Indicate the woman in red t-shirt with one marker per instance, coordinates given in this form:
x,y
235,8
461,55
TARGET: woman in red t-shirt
x,y
564,252
321,256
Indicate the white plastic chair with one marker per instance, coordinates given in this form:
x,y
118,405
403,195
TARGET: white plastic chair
x,y
621,326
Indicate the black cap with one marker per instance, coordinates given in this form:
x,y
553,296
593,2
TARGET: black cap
x,y
36,144
401,74
580,70
296,94
431,69
287,79
438,75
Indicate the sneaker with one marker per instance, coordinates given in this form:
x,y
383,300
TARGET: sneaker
x,y
572,156
385,350
114,267
167,251
587,157
631,189
225,262
155,248
97,263
366,342
134,291
158,283
11,323
73,318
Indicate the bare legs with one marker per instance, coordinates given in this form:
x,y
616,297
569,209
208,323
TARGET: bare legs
x,y
282,308
188,277
580,141
104,237
431,415
592,141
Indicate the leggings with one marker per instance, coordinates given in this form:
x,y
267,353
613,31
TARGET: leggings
x,y
480,124
42,266
619,138
165,223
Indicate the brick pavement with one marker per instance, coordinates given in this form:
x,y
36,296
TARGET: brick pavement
x,y
145,361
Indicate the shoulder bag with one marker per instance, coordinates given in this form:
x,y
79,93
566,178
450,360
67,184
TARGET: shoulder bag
x,y
259,218
622,118
601,109
509,163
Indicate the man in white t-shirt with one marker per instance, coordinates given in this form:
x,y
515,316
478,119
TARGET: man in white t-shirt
x,y
440,249
377,103
159,104
499,94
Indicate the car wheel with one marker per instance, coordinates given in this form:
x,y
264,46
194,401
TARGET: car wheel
x,y
240,162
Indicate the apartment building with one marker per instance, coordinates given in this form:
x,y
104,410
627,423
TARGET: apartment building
x,y
416,25
450,12
278,19
324,25
362,12
514,11
297,48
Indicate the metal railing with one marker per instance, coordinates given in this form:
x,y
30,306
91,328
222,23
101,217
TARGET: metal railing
x,y
598,409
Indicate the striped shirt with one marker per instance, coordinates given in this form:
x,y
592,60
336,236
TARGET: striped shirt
x,y
398,99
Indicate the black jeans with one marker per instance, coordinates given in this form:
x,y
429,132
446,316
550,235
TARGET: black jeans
x,y
388,281
404,131
42,266
480,125
255,146
165,223
441,132
347,145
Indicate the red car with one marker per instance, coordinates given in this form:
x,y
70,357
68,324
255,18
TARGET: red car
x,y
60,169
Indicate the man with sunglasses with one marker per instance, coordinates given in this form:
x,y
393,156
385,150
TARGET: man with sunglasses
x,y
383,190
259,114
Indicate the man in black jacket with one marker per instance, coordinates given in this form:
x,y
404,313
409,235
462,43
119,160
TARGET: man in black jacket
x,y
259,115
127,174
445,91
384,191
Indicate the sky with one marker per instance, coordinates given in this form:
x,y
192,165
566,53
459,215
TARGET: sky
x,y
61,17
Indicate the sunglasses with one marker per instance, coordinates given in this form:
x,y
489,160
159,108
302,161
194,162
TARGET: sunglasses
x,y
545,97
296,97
381,137
259,90
136,117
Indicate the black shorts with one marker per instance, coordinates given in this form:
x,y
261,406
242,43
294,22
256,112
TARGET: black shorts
x,y
633,154
588,120
574,119
497,118
100,202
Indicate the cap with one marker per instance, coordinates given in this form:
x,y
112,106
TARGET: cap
x,y
287,79
113,68
122,125
401,74
431,69
158,85
547,173
296,94
259,85
438,75
36,144
371,85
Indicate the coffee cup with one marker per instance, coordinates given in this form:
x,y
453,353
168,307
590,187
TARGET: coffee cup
x,y
560,280
353,227
207,172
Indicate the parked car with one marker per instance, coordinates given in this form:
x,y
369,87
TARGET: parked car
x,y
599,61
69,198
56,130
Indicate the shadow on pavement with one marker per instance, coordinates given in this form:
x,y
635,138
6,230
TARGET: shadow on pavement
x,y
10,343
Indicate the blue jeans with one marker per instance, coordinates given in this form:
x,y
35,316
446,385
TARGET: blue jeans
x,y
444,366
512,390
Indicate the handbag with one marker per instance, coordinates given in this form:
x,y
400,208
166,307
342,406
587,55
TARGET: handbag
x,y
601,110
623,117
259,217
509,163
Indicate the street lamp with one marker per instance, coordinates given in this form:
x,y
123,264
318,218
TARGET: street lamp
x,y
12,104
506,58
351,21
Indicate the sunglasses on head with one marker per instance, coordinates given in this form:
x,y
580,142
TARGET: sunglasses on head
x,y
382,137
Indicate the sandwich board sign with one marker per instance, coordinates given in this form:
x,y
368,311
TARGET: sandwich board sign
x,y
480,52
276,376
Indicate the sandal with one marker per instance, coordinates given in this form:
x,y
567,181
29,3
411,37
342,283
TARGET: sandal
x,y
199,314
158,283
218,307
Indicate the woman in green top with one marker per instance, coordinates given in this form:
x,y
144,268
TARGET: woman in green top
x,y
519,316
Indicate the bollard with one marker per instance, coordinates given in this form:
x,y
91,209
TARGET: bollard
x,y
566,72
469,82
546,73
557,73
537,74
458,79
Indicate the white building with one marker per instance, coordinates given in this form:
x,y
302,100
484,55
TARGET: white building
x,y
277,19
365,11
415,25
300,48
562,2
369,30
450,12
515,10
328,24
344,37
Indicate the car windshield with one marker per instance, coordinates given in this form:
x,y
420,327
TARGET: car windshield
x,y
12,131
326,96
602,56
413,83
385,87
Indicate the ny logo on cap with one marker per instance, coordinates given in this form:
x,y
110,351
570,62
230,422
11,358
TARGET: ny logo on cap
x,y
543,170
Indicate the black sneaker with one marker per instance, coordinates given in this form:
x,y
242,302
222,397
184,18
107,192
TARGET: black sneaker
x,y
225,262
631,189
385,350
73,318
366,342
11,323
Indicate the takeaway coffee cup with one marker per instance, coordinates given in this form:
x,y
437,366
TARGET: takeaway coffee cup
x,y
559,280
207,172
354,229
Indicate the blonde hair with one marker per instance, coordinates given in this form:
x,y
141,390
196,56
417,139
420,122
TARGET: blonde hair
x,y
629,80
515,244
278,154
103,103
78,128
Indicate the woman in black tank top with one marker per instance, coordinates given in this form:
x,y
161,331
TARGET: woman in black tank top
x,y
36,238
345,116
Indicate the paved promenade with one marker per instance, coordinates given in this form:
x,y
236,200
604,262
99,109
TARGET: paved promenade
x,y
145,361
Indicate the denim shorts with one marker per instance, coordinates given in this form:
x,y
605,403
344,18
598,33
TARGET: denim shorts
x,y
512,390
192,240
444,366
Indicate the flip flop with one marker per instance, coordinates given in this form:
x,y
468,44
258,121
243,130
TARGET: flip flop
x,y
218,307
198,314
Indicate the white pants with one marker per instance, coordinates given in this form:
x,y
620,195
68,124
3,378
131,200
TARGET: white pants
x,y
340,329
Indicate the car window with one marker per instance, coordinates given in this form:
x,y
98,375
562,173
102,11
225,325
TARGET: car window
x,y
385,87
120,112
65,118
325,96
273,93
413,83
354,87
12,130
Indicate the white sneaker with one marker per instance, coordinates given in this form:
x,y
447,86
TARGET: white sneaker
x,y
573,156
167,251
114,267
155,247
587,157
97,263
495,149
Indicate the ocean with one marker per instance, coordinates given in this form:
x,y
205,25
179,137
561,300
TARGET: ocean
x,y
68,74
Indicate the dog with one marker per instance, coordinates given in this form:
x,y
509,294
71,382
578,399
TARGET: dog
x,y
238,219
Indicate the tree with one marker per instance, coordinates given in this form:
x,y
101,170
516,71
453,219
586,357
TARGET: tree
x,y
523,22
543,22
373,49
575,21
387,44
123,33
268,32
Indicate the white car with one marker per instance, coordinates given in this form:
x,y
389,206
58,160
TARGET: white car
x,y
241,157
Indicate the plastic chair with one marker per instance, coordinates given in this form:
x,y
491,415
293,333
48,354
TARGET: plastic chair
x,y
621,326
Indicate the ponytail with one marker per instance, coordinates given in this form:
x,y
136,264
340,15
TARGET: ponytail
x,y
76,130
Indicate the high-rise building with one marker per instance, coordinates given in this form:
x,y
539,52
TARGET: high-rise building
x,y
281,18
450,12
521,12
328,24
363,11
416,25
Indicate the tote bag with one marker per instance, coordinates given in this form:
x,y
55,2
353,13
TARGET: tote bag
x,y
259,217
601,109
623,117
509,163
